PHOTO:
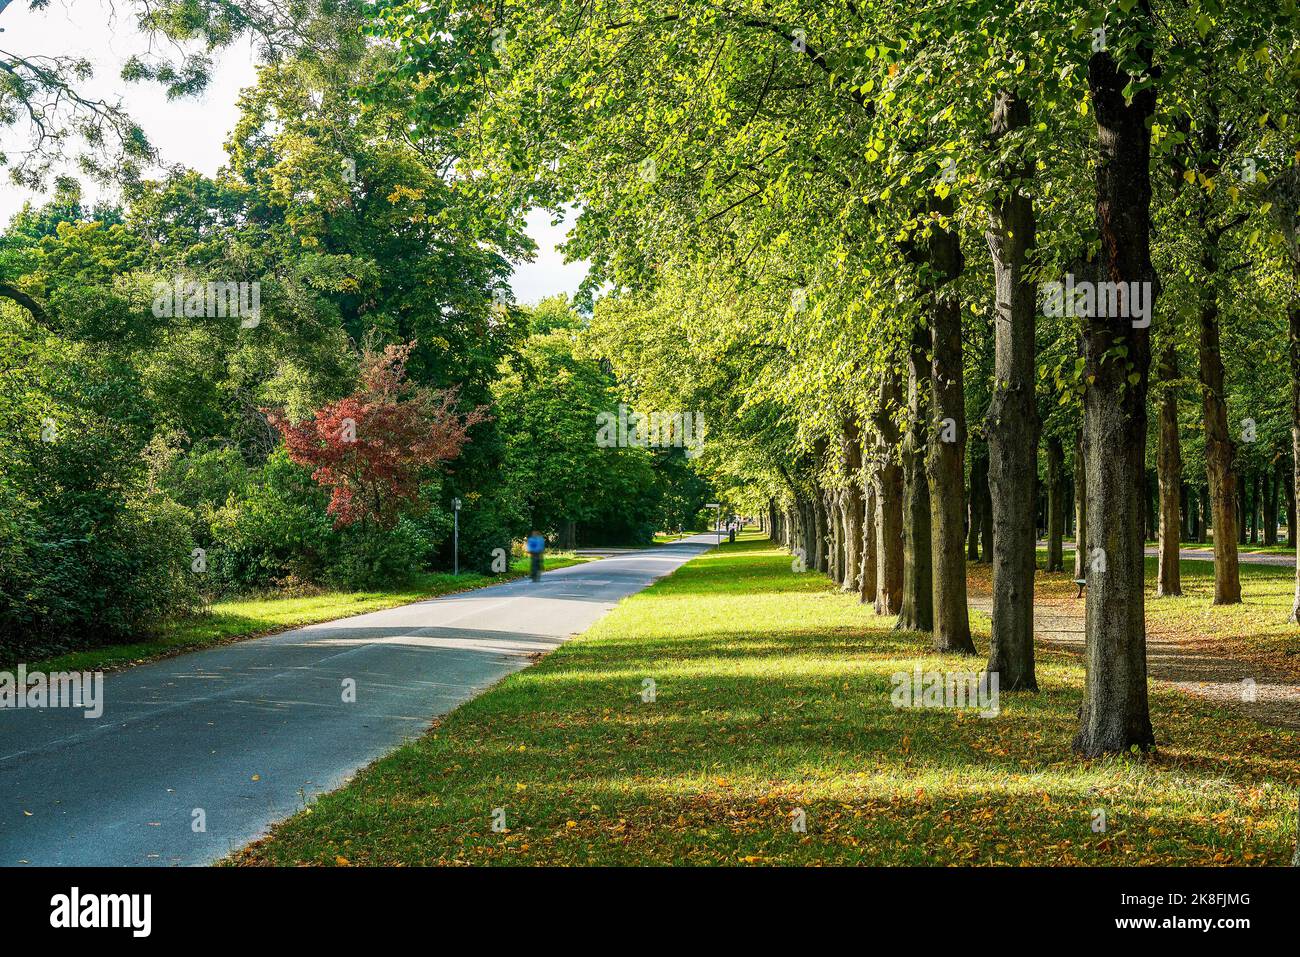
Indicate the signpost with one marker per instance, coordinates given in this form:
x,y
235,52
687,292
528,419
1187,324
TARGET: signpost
x,y
717,518
455,536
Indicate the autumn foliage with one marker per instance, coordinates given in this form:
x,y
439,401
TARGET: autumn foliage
x,y
374,448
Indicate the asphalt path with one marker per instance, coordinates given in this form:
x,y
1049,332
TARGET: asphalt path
x,y
195,756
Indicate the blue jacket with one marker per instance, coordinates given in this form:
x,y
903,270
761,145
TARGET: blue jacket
x,y
536,544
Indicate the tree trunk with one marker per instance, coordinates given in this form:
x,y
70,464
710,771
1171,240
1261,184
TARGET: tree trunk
x,y
1270,513
568,535
834,537
1169,467
1218,445
1288,488
975,507
1293,352
853,507
1012,419
1257,507
946,451
889,500
986,514
917,613
1080,509
820,530
1184,511
1115,715
1243,517
1055,506
867,578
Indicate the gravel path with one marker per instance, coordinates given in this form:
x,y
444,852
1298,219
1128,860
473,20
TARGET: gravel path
x,y
1178,664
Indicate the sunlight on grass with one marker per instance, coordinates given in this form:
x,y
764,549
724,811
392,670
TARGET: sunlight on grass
x,y
771,694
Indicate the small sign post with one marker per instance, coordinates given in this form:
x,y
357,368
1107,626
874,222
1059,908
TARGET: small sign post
x,y
455,536
717,518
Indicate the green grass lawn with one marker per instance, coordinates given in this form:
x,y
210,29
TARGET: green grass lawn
x,y
240,618
773,693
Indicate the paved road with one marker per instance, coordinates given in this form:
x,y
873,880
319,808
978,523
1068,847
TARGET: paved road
x,y
247,732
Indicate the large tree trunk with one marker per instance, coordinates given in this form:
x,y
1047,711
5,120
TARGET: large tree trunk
x,y
1012,419
889,500
917,613
1080,509
1055,506
1169,466
946,451
1115,716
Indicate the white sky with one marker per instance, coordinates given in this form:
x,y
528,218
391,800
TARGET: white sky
x,y
192,132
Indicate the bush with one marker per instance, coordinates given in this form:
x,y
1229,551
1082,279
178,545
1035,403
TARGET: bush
x,y
372,557
276,534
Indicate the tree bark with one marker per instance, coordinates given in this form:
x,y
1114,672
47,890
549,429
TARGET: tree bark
x,y
1115,714
1080,509
1270,513
1288,488
986,514
917,613
820,530
853,507
867,579
1169,467
946,451
973,518
834,536
889,500
1055,506
1012,419
1218,445
1293,353
1184,511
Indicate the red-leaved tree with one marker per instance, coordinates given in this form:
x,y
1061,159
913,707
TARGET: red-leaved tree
x,y
373,448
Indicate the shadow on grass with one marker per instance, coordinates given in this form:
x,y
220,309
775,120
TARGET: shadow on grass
x,y
745,728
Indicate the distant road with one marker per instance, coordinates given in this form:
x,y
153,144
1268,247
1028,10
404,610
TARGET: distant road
x,y
1206,554
248,732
